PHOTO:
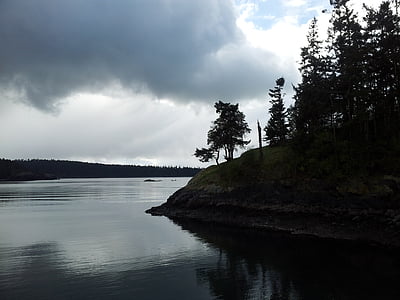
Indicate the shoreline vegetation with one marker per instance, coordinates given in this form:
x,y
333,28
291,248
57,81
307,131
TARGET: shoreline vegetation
x,y
40,169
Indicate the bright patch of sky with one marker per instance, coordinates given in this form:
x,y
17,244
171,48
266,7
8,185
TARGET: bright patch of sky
x,y
265,13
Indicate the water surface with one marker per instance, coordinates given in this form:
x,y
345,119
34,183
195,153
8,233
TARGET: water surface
x,y
90,239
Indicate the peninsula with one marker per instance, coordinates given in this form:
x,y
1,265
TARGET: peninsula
x,y
332,165
265,193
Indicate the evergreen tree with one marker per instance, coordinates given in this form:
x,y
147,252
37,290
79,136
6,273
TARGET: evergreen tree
x,y
350,89
383,63
276,131
313,109
346,66
226,133
206,154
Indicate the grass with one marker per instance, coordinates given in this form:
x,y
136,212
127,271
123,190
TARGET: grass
x,y
251,167
340,168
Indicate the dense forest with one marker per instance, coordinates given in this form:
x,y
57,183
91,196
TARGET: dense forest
x,y
48,169
350,83
346,111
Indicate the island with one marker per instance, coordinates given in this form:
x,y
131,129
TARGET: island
x,y
331,167
264,193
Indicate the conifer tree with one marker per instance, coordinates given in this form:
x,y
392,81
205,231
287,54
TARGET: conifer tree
x,y
383,63
346,63
350,88
276,131
312,110
227,133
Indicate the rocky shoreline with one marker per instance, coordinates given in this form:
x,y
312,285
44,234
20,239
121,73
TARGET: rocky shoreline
x,y
300,209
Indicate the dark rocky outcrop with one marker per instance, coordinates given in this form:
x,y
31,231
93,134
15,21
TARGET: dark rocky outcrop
x,y
352,210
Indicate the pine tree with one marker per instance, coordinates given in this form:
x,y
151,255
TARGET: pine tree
x,y
346,67
383,63
312,110
276,131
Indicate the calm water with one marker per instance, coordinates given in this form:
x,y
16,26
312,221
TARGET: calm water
x,y
90,239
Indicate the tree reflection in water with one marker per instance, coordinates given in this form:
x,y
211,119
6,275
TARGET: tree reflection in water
x,y
273,266
231,264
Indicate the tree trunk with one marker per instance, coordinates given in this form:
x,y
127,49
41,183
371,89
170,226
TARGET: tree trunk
x,y
259,139
217,158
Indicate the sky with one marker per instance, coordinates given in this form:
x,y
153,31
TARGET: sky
x,y
134,81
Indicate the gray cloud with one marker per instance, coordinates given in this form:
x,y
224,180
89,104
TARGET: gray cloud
x,y
185,50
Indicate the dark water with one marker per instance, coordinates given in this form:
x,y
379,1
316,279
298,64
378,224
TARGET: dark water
x,y
90,239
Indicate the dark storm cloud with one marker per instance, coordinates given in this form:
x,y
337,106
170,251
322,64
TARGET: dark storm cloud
x,y
171,48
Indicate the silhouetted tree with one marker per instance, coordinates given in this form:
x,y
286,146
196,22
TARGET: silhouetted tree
x,y
313,109
207,154
383,65
347,70
348,100
276,130
227,133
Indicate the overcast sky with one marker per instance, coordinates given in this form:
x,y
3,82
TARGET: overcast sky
x,y
134,81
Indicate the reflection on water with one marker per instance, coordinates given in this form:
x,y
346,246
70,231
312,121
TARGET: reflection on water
x,y
41,274
90,238
255,265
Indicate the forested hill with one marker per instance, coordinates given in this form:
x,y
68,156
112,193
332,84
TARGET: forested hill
x,y
75,169
12,170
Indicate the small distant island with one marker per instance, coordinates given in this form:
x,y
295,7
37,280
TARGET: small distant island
x,y
332,165
42,169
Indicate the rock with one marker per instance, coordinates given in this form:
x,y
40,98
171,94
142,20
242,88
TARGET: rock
x,y
318,212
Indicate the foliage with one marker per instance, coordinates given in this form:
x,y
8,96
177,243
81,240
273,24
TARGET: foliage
x,y
205,154
227,133
349,96
312,111
276,130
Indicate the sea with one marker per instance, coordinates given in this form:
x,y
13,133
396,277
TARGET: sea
x,y
91,239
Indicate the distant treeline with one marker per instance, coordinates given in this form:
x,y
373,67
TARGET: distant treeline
x,y
8,168
12,170
75,169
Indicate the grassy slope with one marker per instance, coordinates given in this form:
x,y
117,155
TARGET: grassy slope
x,y
276,163
282,164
